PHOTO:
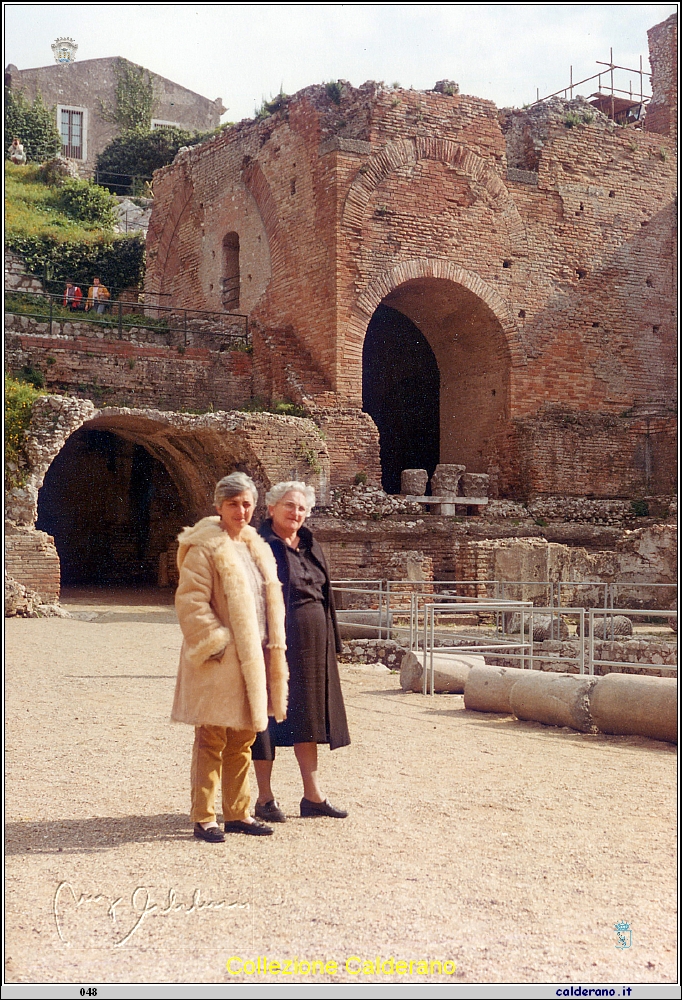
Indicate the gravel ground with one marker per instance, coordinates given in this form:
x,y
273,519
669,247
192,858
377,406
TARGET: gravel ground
x,y
508,848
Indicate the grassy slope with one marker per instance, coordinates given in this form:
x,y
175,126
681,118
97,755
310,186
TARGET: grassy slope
x,y
28,211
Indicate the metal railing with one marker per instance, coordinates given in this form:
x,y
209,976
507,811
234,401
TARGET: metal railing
x,y
592,613
425,609
434,610
177,326
125,184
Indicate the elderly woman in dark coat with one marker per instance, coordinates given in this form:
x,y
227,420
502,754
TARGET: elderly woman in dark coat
x,y
315,713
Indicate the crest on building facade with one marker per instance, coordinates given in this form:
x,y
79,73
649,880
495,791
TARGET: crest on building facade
x,y
64,50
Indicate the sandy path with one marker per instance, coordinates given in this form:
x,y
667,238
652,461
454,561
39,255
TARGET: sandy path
x,y
509,848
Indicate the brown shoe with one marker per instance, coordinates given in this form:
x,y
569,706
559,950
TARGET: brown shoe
x,y
270,812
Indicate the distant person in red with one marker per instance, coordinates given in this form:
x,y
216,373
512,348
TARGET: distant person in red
x,y
72,296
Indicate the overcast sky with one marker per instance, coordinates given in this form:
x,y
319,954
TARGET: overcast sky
x,y
244,52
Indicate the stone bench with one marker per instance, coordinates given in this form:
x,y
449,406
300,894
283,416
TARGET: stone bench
x,y
447,505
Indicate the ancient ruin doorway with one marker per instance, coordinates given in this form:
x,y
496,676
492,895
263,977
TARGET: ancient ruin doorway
x,y
460,385
401,392
112,508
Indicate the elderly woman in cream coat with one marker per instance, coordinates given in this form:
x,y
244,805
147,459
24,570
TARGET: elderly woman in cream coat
x,y
233,672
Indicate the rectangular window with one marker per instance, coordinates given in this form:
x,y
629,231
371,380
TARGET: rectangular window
x,y
71,129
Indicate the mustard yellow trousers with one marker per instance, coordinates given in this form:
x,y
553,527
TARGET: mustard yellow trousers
x,y
222,756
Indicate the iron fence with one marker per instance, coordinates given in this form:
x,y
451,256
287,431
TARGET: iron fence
x,y
177,327
414,613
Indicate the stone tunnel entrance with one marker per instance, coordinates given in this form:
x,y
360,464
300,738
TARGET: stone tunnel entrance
x,y
436,372
113,487
112,509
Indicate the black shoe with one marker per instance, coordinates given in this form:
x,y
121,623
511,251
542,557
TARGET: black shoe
x,y
213,835
270,812
255,828
325,808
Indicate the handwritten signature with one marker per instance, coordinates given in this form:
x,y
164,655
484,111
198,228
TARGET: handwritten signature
x,y
141,904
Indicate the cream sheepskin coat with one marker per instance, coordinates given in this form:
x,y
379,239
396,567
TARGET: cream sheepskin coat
x,y
217,612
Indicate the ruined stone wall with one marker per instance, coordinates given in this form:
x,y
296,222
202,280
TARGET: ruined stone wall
x,y
91,362
440,549
535,255
113,485
661,114
31,559
600,455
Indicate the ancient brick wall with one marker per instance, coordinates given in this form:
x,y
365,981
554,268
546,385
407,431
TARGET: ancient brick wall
x,y
661,114
92,363
535,255
31,558
594,454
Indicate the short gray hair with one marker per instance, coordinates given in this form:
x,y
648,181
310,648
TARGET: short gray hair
x,y
232,485
279,490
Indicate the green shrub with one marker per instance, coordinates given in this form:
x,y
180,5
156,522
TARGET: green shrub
x,y
282,407
34,124
141,152
268,108
334,90
20,396
85,202
118,261
134,97
640,508
138,153
578,118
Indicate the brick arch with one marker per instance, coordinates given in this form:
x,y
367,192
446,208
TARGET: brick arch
x,y
259,188
421,267
402,152
165,241
195,449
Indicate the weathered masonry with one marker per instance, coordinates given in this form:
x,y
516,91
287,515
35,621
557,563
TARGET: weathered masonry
x,y
495,288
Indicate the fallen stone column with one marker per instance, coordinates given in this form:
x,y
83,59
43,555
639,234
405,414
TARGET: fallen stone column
x,y
555,699
450,672
632,705
488,688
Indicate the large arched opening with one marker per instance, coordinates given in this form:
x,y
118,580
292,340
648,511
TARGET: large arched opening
x,y
401,391
112,509
114,487
469,403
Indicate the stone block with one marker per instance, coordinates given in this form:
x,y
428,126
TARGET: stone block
x,y
488,688
618,625
474,484
413,482
554,699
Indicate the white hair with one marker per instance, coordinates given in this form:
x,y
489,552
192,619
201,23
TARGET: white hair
x,y
232,486
280,490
